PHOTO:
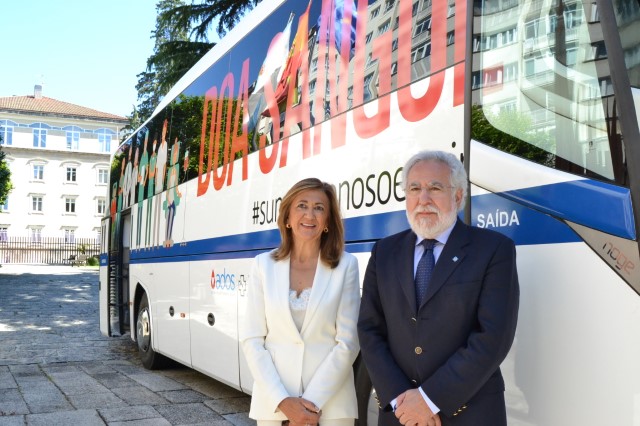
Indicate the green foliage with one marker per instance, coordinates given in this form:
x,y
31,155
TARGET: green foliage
x,y
512,132
200,17
93,261
180,41
5,178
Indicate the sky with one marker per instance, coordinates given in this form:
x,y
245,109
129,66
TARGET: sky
x,y
85,52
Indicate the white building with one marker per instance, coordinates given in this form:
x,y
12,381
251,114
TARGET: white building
x,y
58,154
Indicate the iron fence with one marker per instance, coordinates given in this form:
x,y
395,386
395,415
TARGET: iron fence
x,y
49,250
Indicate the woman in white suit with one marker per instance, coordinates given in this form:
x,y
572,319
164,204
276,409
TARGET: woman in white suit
x,y
300,337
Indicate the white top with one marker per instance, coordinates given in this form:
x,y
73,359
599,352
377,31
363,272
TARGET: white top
x,y
299,305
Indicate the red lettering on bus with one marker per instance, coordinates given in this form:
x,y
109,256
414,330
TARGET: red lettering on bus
x,y
367,127
239,143
268,161
415,109
321,76
338,102
208,110
298,112
222,136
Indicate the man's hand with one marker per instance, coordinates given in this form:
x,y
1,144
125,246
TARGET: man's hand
x,y
413,410
300,412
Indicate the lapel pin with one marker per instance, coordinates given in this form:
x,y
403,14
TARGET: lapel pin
x,y
455,258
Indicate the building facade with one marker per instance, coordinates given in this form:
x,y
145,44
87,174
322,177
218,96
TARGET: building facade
x,y
59,155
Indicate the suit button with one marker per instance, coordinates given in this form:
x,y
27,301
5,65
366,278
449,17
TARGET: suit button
x,y
413,319
418,350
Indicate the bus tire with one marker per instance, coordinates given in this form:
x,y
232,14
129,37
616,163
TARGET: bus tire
x,y
364,394
150,358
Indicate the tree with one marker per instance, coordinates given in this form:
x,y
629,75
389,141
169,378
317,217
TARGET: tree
x,y
181,39
200,17
5,177
512,132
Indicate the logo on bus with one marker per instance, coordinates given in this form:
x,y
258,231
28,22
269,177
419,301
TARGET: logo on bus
x,y
223,281
618,258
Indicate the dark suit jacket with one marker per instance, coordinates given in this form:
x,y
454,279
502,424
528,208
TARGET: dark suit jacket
x,y
453,344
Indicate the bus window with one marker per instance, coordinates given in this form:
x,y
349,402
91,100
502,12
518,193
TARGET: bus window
x,y
543,90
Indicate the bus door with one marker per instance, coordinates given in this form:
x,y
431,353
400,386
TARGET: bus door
x,y
118,281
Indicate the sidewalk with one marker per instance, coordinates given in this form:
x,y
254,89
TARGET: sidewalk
x,y
57,369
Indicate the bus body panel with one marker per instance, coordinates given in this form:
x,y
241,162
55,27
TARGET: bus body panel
x,y
574,359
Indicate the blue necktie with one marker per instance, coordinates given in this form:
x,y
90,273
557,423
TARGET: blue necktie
x,y
424,270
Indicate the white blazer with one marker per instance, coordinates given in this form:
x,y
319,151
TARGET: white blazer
x,y
320,356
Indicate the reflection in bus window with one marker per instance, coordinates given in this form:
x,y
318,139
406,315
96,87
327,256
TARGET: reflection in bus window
x,y
560,110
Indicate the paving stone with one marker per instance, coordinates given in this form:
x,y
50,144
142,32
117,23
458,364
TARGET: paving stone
x,y
11,403
96,400
143,422
77,417
12,421
156,382
138,395
45,401
138,412
182,396
7,381
229,405
114,380
183,414
213,389
240,419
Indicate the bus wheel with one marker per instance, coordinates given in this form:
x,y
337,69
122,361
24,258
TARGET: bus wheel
x,y
150,359
366,394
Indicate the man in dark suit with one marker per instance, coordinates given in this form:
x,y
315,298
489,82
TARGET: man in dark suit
x,y
433,345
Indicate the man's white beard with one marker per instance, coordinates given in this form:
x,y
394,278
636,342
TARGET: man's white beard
x,y
421,225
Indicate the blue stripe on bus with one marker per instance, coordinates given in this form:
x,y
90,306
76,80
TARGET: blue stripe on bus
x,y
525,226
594,204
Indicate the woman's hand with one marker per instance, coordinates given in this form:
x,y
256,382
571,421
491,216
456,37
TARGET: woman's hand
x,y
300,412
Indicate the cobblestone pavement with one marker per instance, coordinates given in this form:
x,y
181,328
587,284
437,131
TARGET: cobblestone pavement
x,y
57,369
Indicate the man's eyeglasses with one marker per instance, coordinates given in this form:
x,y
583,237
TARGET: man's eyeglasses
x,y
434,190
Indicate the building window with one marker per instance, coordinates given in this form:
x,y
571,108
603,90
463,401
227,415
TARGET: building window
x,y
101,205
36,203
367,89
314,64
394,68
6,135
450,38
422,26
368,38
4,234
420,52
384,27
375,12
38,172
70,205
5,207
73,140
414,9
36,234
39,138
104,139
69,236
598,51
71,174
389,5
103,176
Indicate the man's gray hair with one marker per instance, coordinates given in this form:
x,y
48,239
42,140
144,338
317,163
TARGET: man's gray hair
x,y
458,175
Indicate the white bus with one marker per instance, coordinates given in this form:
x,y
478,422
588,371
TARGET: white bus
x,y
539,99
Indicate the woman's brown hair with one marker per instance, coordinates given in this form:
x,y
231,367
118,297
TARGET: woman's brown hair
x,y
332,242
